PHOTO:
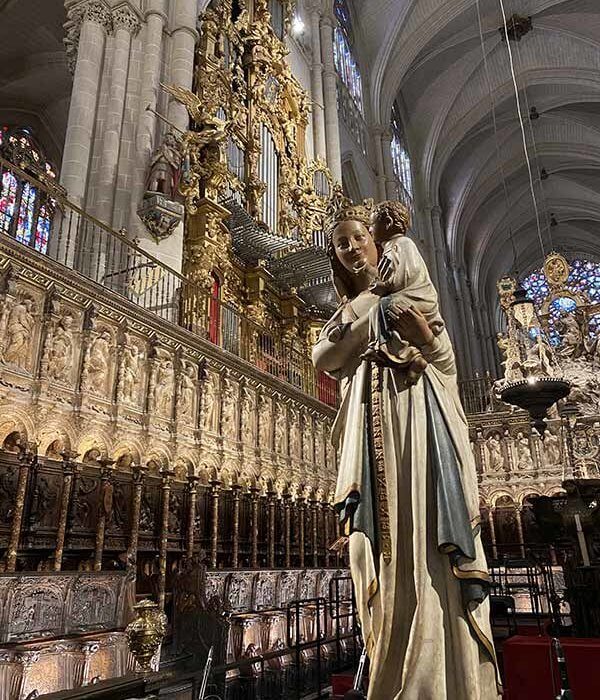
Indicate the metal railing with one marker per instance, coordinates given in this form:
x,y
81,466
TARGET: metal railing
x,y
84,244
477,395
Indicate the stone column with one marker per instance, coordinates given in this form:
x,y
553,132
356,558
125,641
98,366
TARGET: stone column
x,y
474,331
145,138
271,506
192,496
69,468
104,508
493,532
381,178
139,474
301,540
467,363
327,524
287,534
254,527
314,533
27,460
214,522
316,86
126,24
94,19
183,42
167,478
438,263
391,181
492,341
520,530
235,547
332,126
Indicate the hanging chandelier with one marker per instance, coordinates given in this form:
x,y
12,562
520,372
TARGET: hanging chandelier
x,y
532,378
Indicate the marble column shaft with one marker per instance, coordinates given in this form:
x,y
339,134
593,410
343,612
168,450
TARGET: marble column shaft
x,y
254,527
139,475
214,522
167,477
287,534
26,461
69,468
191,521
104,509
301,535
235,548
271,534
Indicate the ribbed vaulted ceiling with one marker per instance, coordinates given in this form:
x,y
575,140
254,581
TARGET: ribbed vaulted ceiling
x,y
428,54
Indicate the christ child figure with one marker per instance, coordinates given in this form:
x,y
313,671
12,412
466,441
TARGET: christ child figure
x,y
403,281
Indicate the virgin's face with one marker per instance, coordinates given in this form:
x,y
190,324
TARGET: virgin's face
x,y
354,246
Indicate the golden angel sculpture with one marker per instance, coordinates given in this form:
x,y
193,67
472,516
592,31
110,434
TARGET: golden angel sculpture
x,y
407,487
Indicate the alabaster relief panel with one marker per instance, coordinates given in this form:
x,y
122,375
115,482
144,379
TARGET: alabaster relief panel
x,y
132,370
280,423
230,395
62,346
20,328
511,456
248,413
112,386
266,419
211,387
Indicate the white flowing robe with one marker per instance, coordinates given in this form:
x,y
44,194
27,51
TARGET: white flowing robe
x,y
425,641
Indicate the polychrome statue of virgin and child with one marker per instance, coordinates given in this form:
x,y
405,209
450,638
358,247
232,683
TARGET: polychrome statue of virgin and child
x,y
407,487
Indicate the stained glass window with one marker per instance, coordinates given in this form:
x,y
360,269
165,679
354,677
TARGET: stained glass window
x,y
8,198
26,210
584,278
345,63
400,158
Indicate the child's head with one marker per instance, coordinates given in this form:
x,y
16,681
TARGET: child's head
x,y
389,219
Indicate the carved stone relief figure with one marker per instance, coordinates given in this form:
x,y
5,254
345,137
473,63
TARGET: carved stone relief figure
x,y
552,448
281,431
294,433
187,390
129,385
60,355
164,386
319,443
97,366
19,333
229,427
524,459
307,438
494,452
265,421
248,415
210,403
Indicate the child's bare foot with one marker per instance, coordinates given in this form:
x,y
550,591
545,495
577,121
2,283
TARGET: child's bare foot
x,y
415,370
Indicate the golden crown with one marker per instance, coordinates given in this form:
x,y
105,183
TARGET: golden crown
x,y
341,208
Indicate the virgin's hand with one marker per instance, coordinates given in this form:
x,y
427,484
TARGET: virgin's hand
x,y
410,324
